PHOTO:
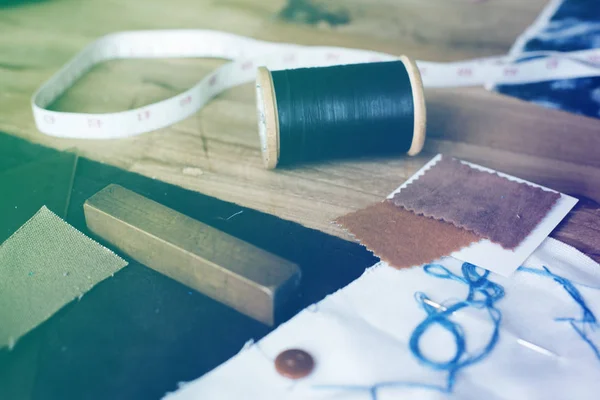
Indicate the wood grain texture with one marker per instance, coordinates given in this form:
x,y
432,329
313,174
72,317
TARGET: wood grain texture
x,y
217,150
581,229
470,24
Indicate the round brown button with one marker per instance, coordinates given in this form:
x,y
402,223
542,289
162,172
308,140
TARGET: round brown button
x,y
294,363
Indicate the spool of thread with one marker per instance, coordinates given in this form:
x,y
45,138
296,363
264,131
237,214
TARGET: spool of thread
x,y
320,113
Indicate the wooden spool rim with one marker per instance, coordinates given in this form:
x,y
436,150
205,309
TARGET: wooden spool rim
x,y
267,104
416,84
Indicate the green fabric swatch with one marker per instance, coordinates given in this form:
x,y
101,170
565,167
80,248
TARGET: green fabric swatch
x,y
43,266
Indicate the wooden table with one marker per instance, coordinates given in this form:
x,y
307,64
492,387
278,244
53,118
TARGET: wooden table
x,y
216,151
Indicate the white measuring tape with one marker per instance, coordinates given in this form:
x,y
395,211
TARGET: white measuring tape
x,y
247,54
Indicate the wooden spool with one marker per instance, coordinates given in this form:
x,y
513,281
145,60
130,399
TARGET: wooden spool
x,y
268,120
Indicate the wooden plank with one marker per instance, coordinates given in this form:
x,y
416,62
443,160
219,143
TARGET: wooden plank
x,y
216,151
486,25
203,154
581,229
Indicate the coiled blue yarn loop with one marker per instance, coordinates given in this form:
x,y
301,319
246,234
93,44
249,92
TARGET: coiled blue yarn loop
x,y
483,294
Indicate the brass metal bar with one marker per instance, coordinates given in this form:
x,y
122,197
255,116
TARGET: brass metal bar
x,y
236,273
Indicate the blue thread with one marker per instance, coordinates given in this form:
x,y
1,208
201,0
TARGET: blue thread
x,y
588,319
483,294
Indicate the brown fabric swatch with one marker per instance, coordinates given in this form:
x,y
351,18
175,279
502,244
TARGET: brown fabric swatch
x,y
493,207
402,238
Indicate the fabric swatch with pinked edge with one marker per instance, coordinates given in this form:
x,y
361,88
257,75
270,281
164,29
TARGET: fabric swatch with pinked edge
x,y
402,238
491,206
44,265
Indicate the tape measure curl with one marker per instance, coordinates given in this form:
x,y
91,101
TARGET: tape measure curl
x,y
247,54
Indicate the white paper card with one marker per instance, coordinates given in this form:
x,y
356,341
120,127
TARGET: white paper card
x,y
493,256
446,330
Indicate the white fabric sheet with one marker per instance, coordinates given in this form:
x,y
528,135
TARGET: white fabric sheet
x,y
547,343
